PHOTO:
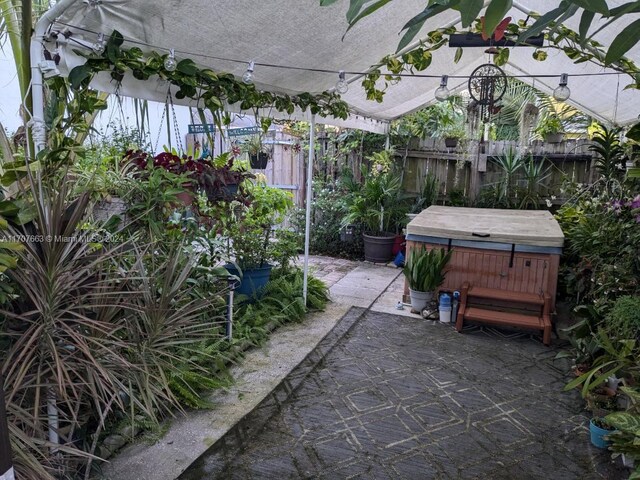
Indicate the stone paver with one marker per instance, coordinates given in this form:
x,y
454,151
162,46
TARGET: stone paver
x,y
329,270
391,397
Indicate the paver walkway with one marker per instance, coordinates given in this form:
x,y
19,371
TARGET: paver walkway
x,y
390,397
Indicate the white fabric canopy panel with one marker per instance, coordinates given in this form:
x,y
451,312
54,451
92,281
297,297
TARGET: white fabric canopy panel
x,y
227,34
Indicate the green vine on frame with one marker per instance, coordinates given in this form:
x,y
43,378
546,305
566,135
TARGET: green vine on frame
x,y
214,89
559,37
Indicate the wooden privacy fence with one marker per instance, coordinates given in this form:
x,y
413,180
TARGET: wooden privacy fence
x,y
450,169
286,167
461,171
469,167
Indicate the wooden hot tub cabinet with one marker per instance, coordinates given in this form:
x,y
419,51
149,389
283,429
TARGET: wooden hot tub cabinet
x,y
505,250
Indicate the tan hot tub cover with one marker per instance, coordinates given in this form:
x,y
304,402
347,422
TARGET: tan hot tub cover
x,y
520,227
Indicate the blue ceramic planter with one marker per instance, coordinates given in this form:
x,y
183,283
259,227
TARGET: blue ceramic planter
x,y
253,280
597,435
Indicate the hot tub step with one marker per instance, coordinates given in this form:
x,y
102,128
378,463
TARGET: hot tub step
x,y
540,321
504,295
503,318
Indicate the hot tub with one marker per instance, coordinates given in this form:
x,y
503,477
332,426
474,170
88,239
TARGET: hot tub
x,y
510,250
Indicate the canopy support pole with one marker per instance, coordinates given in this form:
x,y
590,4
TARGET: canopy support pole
x,y
36,124
307,230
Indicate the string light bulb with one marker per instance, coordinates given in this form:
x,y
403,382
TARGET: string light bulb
x,y
562,92
100,45
442,92
170,63
248,75
341,85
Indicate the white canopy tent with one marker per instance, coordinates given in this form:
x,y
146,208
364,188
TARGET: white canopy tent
x,y
226,35
290,40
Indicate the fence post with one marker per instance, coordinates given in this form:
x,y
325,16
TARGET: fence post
x,y
6,465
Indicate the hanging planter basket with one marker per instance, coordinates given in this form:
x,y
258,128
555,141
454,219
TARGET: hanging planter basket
x,y
259,161
451,142
554,137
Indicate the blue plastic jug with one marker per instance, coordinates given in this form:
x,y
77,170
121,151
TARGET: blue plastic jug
x,y
444,310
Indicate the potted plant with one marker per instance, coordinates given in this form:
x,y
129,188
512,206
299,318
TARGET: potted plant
x,y
222,177
185,167
247,229
379,206
599,429
424,271
255,149
218,177
625,441
452,134
550,129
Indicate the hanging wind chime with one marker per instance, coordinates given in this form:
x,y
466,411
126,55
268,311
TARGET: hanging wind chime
x,y
487,85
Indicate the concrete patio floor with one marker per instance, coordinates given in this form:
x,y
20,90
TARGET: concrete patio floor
x,y
387,397
363,390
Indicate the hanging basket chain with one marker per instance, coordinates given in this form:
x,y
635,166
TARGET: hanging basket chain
x,y
155,145
176,128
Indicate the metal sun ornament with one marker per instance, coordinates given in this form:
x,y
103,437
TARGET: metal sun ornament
x,y
487,85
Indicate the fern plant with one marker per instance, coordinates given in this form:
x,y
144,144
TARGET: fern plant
x,y
424,269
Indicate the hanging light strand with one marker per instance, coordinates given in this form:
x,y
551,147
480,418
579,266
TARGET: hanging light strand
x,y
323,70
562,92
443,93
170,62
248,75
341,85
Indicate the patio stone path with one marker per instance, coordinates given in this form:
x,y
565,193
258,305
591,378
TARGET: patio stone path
x,y
388,397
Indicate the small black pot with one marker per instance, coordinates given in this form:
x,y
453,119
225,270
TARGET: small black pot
x,y
348,234
259,161
554,137
451,142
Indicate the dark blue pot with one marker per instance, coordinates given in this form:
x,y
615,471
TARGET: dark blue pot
x,y
253,280
230,190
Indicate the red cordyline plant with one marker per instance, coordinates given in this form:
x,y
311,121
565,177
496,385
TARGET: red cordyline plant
x,y
97,328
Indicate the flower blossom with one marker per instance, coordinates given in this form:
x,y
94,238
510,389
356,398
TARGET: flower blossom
x,y
617,205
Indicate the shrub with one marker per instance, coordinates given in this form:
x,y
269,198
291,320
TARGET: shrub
x,y
623,321
601,260
327,211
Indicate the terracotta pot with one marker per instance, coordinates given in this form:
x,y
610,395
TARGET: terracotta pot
x,y
397,245
185,198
